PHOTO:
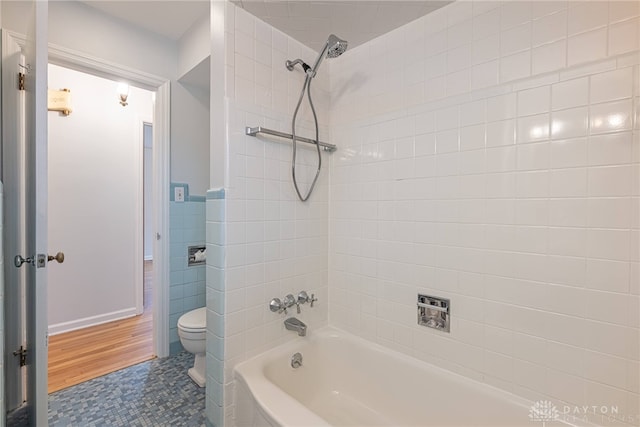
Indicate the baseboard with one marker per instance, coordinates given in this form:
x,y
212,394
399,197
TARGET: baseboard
x,y
73,325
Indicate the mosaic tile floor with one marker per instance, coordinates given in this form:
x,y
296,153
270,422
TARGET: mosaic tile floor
x,y
154,393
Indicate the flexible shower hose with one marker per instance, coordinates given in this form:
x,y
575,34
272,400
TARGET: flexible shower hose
x,y
307,86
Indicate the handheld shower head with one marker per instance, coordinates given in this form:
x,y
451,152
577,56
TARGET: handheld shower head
x,y
336,46
333,48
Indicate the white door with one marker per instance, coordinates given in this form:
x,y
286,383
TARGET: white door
x,y
14,219
36,57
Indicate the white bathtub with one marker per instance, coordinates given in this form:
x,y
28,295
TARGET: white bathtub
x,y
347,381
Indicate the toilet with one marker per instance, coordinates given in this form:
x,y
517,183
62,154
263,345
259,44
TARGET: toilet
x,y
192,332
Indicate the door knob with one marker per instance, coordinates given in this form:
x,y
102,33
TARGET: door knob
x,y
19,260
58,257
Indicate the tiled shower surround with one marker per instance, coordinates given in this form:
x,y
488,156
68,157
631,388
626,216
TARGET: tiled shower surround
x,y
262,242
489,153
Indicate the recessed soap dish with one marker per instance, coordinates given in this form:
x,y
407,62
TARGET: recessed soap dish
x,y
433,312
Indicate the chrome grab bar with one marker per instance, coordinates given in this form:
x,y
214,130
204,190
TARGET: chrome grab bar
x,y
254,131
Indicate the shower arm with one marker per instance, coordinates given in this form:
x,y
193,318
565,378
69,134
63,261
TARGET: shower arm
x,y
291,64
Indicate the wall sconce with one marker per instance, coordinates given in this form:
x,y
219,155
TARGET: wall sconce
x,y
59,100
123,93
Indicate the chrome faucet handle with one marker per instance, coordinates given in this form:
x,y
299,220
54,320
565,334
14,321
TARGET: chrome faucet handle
x,y
313,299
276,306
289,301
303,297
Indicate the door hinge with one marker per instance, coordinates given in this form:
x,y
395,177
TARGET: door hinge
x,y
22,352
20,81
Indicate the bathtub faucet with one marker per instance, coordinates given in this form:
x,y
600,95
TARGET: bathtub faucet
x,y
293,324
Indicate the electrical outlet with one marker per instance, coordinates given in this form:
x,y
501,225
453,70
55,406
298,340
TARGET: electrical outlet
x,y
178,194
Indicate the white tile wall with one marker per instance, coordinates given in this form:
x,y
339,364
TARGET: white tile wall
x,y
269,243
512,192
215,281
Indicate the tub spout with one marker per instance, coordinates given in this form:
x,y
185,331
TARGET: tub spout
x,y
293,324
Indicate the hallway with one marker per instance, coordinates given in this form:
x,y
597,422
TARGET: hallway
x,y
84,354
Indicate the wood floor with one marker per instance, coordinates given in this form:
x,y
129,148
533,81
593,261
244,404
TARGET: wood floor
x,y
78,356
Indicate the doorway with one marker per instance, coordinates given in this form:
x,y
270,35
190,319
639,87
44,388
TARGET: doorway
x,y
37,382
95,213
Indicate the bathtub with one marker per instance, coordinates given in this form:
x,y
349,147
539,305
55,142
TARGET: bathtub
x,y
347,381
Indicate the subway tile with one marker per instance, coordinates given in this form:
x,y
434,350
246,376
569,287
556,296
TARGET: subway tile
x,y
534,101
608,307
514,13
588,16
611,85
532,212
500,133
568,241
472,113
484,75
533,128
515,39
549,28
585,47
486,24
472,137
543,8
612,149
608,275
609,213
515,66
623,37
564,270
570,93
610,117
501,159
501,107
532,184
569,153
608,244
623,10
485,49
568,183
610,181
571,123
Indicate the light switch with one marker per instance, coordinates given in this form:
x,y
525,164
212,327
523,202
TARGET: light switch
x,y
178,194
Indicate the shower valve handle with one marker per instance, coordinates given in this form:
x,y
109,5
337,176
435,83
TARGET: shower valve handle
x,y
276,306
313,299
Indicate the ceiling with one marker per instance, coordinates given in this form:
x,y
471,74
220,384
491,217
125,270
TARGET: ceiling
x,y
167,18
357,21
308,21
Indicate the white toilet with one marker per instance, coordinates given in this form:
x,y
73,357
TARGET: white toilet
x,y
192,330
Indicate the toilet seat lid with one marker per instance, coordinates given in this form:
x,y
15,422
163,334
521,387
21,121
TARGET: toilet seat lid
x,y
194,319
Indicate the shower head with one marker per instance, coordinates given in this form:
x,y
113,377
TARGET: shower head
x,y
336,46
333,48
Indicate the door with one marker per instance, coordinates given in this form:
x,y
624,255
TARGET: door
x,y
14,217
36,57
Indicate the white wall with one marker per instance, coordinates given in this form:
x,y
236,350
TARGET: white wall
x,y
194,45
148,192
95,181
490,155
190,137
273,244
80,27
